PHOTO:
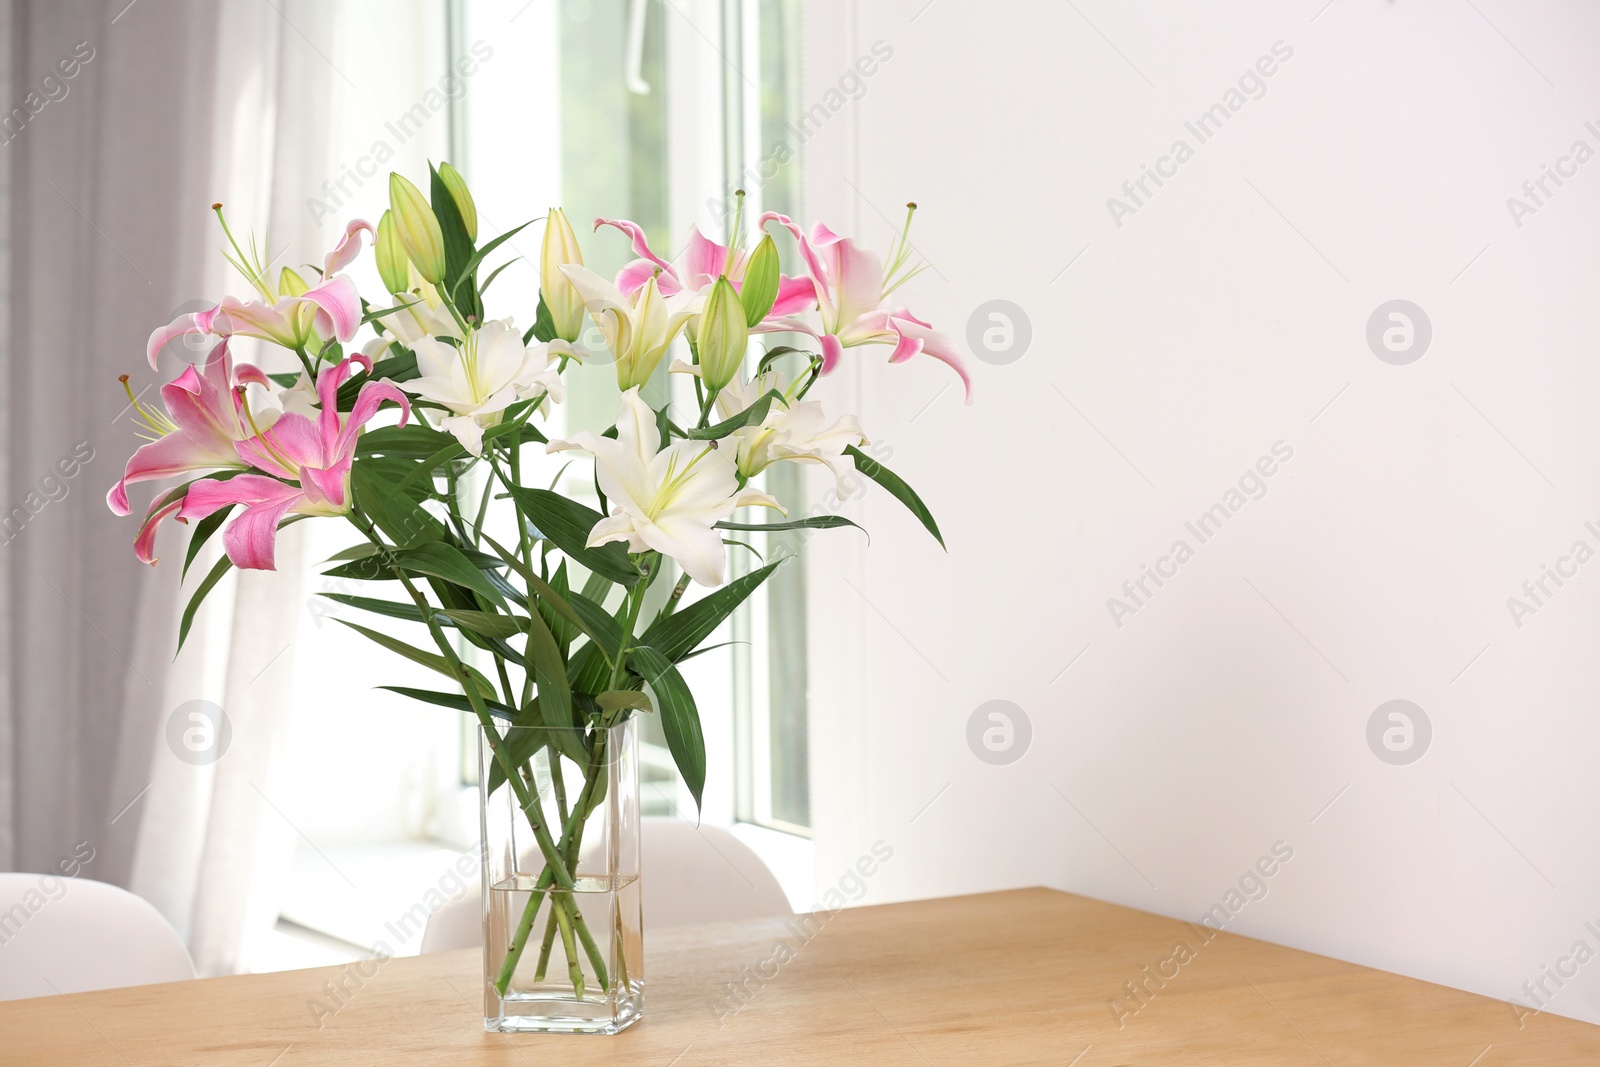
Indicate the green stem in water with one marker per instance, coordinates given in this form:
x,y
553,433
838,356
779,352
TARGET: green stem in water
x,y
555,867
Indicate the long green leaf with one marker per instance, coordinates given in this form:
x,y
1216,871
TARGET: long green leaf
x,y
393,609
477,257
567,524
452,700
206,585
441,560
752,414
897,488
202,533
680,719
676,635
815,522
402,518
605,633
544,662
614,700
431,660
488,623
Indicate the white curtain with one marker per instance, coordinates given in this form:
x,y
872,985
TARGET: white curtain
x,y
267,108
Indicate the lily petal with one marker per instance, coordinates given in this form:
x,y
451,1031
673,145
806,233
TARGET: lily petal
x,y
349,246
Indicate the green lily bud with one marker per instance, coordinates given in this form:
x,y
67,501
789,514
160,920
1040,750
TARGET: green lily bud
x,y
560,248
391,256
459,192
418,228
290,283
722,337
760,288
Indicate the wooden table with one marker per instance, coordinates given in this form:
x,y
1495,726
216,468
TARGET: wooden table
x,y
1023,977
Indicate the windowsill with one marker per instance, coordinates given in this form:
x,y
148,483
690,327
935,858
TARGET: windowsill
x,y
342,903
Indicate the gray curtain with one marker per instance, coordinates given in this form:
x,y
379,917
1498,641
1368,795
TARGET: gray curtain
x,y
105,215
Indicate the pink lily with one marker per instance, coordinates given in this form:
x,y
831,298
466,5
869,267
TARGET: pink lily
x,y
329,311
701,264
197,431
315,454
852,290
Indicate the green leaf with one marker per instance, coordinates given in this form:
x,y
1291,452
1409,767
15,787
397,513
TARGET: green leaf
x,y
477,257
484,288
431,660
373,568
457,243
206,585
755,413
615,700
544,326
588,622
401,367
374,316
815,522
897,488
412,440
567,524
393,609
774,354
676,635
680,719
454,701
202,533
402,518
543,660
359,551
487,623
441,560
598,623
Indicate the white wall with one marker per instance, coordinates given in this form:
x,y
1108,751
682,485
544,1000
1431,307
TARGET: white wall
x,y
1227,314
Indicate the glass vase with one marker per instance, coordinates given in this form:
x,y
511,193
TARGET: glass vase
x,y
563,944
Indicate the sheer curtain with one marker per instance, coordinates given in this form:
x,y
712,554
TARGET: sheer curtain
x,y
277,110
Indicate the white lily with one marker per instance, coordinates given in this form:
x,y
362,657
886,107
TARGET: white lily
x,y
424,315
668,500
637,328
491,370
793,430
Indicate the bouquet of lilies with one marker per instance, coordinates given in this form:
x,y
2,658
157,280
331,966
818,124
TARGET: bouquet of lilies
x,y
554,610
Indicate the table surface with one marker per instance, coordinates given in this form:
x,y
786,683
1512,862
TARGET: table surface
x,y
1023,977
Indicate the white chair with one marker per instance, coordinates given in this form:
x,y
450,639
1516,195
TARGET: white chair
x,y
72,935
691,874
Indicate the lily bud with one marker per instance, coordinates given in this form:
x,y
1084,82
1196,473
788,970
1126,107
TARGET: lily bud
x,y
561,248
418,228
393,267
290,283
459,192
760,289
723,336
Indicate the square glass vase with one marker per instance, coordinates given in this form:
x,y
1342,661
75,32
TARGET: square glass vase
x,y
563,938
